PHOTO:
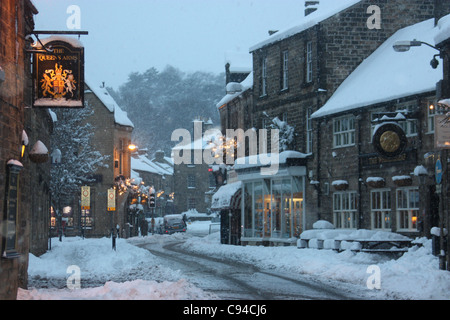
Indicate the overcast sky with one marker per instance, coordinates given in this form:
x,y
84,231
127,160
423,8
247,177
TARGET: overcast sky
x,y
193,35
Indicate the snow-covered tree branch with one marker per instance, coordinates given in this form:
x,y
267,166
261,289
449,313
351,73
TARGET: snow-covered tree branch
x,y
79,160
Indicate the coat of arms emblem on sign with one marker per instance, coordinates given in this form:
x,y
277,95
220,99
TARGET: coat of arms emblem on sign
x,y
58,83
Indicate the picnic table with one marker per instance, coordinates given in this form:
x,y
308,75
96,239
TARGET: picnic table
x,y
371,241
379,245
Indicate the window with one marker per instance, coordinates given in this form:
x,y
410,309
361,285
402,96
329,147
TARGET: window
x,y
431,114
191,181
410,125
345,206
273,208
309,131
67,217
407,208
263,76
191,203
380,204
285,83
86,219
344,132
258,210
248,210
266,123
309,62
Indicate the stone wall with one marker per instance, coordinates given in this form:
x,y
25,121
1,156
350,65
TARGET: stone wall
x,y
15,96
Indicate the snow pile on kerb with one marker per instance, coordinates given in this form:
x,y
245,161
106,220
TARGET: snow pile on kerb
x,y
415,275
129,290
94,257
137,273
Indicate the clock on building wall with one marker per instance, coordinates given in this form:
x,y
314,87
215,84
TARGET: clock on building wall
x,y
389,140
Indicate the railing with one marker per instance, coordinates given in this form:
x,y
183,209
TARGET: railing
x,y
214,227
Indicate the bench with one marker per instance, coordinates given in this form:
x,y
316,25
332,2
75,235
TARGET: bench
x,y
359,245
382,246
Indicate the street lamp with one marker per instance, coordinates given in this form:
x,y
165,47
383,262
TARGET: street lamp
x,y
404,46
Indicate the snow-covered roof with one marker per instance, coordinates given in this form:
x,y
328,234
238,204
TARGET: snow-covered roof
x,y
207,141
387,75
168,166
444,30
120,116
222,198
142,163
256,161
326,9
245,85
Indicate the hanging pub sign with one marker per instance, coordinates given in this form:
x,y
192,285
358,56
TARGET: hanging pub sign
x,y
441,132
58,74
389,140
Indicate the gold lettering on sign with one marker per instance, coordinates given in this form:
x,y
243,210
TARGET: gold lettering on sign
x,y
43,57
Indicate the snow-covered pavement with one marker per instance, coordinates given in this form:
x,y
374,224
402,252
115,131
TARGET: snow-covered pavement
x,y
131,272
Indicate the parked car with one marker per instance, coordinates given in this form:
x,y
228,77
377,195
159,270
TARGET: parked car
x,y
172,223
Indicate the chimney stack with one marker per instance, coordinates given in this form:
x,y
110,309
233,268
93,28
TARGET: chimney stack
x,y
311,6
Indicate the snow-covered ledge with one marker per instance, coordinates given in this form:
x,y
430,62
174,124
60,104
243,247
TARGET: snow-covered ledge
x,y
376,182
340,185
402,181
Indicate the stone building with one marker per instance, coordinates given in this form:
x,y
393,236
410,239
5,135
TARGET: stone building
x,y
25,201
295,72
442,40
112,137
156,173
38,127
388,188
194,181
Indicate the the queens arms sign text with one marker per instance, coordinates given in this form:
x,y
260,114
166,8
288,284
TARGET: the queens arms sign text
x,y
59,76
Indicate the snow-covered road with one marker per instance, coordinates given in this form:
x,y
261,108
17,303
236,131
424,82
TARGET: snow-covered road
x,y
232,280
195,266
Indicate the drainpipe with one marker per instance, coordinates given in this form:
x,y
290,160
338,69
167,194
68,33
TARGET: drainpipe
x,y
360,181
319,189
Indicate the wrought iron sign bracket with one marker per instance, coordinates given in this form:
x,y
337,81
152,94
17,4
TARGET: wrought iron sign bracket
x,y
48,32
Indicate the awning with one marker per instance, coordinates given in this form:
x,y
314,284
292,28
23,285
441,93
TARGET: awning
x,y
228,197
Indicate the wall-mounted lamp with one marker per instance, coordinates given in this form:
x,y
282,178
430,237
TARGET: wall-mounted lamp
x,y
2,75
404,46
56,156
132,147
24,142
422,173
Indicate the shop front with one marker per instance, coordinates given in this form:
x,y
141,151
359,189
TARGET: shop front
x,y
272,205
227,201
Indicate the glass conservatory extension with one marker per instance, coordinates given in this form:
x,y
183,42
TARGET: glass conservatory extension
x,y
272,209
